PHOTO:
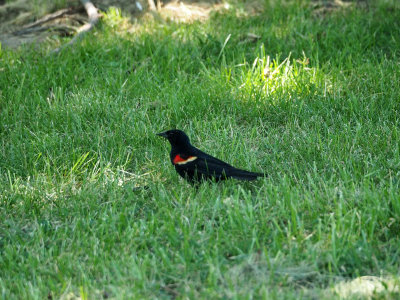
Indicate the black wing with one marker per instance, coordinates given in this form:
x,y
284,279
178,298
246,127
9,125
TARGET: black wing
x,y
210,167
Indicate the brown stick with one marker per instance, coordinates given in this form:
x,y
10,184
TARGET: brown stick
x,y
48,18
31,30
94,17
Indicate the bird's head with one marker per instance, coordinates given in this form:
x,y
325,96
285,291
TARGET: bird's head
x,y
176,137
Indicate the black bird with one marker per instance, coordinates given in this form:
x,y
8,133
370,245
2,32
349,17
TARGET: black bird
x,y
195,165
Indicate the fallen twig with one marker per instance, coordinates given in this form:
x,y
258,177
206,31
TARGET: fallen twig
x,y
94,17
30,30
48,18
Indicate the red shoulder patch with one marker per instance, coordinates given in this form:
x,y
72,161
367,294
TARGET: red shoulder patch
x,y
178,160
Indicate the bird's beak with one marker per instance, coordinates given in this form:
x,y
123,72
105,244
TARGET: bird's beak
x,y
163,134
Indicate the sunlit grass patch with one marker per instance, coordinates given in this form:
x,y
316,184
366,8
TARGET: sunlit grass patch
x,y
117,21
267,79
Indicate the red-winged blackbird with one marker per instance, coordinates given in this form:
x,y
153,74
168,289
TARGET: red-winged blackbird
x,y
195,165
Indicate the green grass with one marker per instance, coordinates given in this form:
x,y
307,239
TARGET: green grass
x,y
315,102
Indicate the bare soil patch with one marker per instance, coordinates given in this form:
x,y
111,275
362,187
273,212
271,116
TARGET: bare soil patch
x,y
21,23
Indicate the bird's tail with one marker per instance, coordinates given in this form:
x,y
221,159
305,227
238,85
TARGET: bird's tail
x,y
243,174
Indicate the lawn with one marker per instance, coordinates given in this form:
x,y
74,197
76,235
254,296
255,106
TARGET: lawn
x,y
91,207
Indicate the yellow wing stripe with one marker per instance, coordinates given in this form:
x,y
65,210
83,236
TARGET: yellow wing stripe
x,y
191,158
